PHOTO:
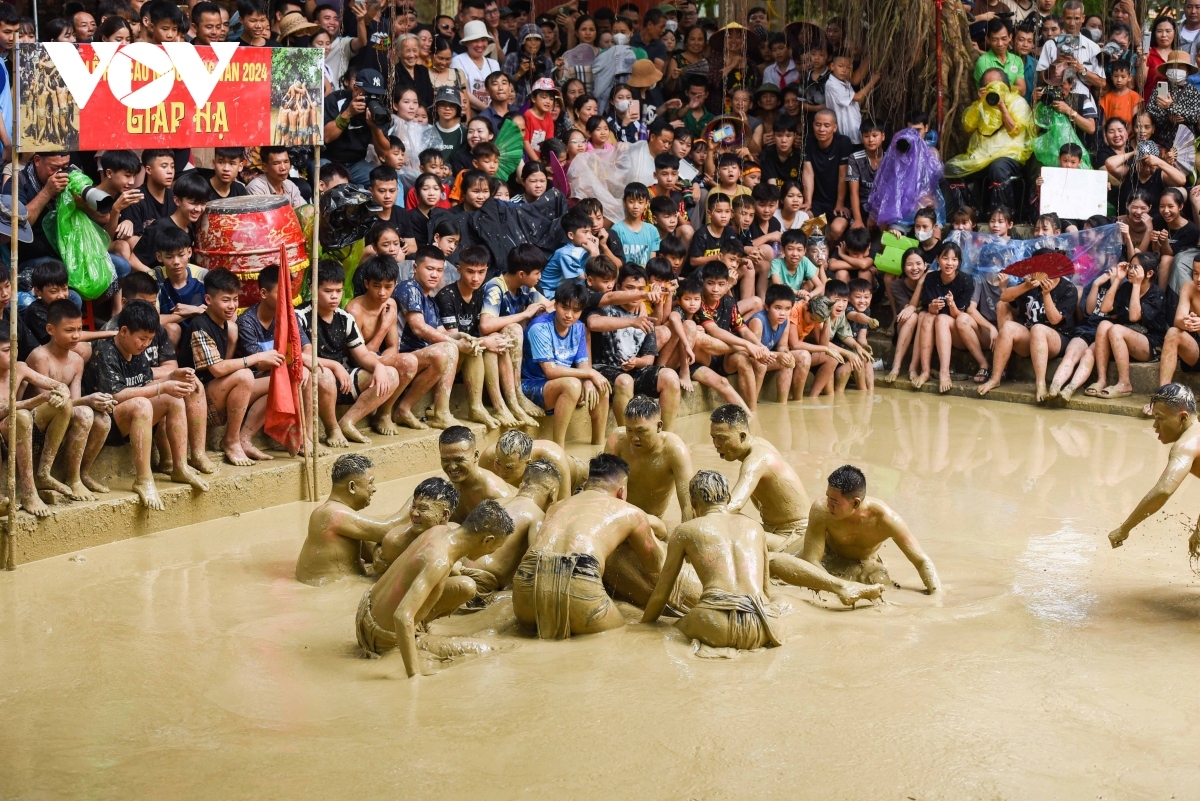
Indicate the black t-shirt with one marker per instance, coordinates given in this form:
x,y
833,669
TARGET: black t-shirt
x,y
930,255
34,316
109,372
776,170
160,350
351,146
1030,309
616,246
963,288
28,190
147,210
398,222
375,55
146,249
616,347
705,244
417,225
1154,186
825,164
338,337
458,314
1183,238
1154,310
236,189
755,231
418,82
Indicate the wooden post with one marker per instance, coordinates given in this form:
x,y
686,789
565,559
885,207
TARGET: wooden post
x,y
11,526
315,369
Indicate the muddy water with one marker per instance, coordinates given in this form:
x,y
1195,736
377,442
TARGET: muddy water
x,y
191,664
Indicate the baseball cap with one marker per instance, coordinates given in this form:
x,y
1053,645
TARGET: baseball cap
x,y
371,82
448,94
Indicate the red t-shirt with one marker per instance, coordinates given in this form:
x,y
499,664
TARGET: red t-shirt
x,y
538,131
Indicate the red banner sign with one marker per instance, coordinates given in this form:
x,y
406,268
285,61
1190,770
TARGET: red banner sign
x,y
107,95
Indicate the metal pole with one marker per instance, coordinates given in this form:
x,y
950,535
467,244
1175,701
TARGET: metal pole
x,y
314,374
10,529
937,29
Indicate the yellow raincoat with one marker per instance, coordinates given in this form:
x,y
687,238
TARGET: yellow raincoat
x,y
990,140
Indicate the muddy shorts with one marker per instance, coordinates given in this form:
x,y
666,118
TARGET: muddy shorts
x,y
866,571
748,624
1191,368
557,584
371,638
792,534
486,585
535,390
348,398
645,379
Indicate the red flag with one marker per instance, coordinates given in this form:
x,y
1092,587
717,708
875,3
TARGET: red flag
x,y
284,423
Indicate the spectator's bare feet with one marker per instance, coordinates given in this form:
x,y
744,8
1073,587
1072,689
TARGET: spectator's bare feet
x,y
334,438
944,384
34,505
480,415
185,475
442,419
506,419
531,409
1066,392
44,481
351,432
202,463
382,424
406,418
855,592
79,492
148,493
254,453
891,377
92,484
1042,393
235,455
919,381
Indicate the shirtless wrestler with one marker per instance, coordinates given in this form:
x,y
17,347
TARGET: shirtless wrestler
x,y
659,462
459,455
558,587
769,481
418,587
729,553
515,449
432,502
1173,408
847,528
335,528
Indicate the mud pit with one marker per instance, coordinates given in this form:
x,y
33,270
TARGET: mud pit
x,y
192,664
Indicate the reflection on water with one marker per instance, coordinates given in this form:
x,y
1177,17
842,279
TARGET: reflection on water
x,y
1053,574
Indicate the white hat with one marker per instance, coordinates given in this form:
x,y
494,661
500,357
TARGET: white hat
x,y
475,29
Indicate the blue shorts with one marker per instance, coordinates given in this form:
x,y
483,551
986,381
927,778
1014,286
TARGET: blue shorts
x,y
535,390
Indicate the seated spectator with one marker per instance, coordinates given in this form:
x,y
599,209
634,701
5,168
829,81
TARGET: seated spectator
x,y
826,161
905,293
794,269
568,261
227,166
730,347
771,327
994,155
180,294
944,298
709,239
556,372
49,279
610,245
156,200
860,173
191,194
1138,326
856,359
639,239
277,165
1182,341
1043,317
120,370
1177,232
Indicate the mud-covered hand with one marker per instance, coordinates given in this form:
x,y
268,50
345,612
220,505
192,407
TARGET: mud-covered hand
x,y
1118,536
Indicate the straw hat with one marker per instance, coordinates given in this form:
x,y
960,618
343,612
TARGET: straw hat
x,y
1179,59
475,29
294,23
644,74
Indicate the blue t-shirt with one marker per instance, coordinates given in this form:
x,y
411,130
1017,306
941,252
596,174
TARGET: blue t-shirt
x,y
169,297
566,263
411,298
498,301
770,337
638,244
543,344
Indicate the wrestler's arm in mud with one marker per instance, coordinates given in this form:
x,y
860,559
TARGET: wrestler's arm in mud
x,y
897,529
429,577
1180,462
681,468
677,550
747,482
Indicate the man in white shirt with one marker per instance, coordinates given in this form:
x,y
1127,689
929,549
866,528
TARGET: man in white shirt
x,y
274,181
1086,60
343,48
642,154
474,64
1189,31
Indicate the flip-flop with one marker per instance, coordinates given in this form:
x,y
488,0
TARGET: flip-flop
x,y
1109,395
982,376
1092,392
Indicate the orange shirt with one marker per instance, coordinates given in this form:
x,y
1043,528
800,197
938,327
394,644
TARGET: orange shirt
x,y
796,318
1122,106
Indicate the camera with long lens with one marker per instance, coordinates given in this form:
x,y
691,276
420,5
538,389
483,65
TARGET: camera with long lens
x,y
992,98
96,198
379,113
903,145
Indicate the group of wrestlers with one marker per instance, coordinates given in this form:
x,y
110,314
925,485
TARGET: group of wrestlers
x,y
569,537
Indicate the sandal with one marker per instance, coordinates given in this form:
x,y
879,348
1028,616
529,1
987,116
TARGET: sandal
x,y
982,376
1110,393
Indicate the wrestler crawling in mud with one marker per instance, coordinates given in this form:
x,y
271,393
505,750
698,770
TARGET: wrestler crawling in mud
x,y
847,528
1173,408
773,486
559,585
515,449
459,455
336,529
418,587
659,463
729,554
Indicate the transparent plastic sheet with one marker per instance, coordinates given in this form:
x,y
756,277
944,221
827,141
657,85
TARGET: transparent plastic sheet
x,y
82,244
907,180
1092,251
990,140
1057,131
602,174
416,138
610,67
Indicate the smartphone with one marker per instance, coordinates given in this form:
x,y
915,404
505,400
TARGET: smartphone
x,y
1161,90
722,133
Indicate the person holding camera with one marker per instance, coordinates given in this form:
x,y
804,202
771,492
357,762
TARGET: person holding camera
x,y
1075,102
355,118
1073,49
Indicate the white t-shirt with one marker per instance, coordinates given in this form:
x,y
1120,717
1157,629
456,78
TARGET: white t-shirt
x,y
1088,55
476,75
641,164
1186,35
337,59
839,98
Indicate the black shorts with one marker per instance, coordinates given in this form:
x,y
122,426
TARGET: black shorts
x,y
645,379
348,399
1184,366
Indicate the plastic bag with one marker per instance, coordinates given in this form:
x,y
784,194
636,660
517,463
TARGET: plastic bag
x,y
1092,250
990,140
602,174
907,180
417,138
1059,131
82,244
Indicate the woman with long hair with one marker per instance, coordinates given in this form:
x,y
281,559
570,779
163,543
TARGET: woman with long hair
x,y
1163,37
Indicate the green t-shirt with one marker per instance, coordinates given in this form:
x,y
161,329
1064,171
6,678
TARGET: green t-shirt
x,y
1013,66
794,281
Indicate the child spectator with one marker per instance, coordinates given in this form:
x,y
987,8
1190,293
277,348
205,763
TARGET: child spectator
x,y
709,239
666,185
510,301
853,255
771,327
791,214
687,338
905,296
664,213
841,98
781,162
156,199
180,294
741,274
119,171
861,322
625,355
795,270
227,166
675,252
944,298
120,371
49,280
447,107
808,340
639,240
385,188
860,172
437,353
856,360
87,428
610,246
191,192
1120,101
568,261
277,165
766,231
729,340
556,372
539,120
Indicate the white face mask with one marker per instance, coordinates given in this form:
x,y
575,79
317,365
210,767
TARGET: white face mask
x,y
620,38
1092,34
672,25
621,106
1176,76
923,236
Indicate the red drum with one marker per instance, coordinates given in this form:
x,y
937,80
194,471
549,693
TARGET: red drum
x,y
244,234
